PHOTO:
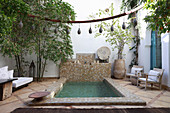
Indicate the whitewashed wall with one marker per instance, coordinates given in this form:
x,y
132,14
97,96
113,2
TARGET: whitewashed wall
x,y
145,43
166,58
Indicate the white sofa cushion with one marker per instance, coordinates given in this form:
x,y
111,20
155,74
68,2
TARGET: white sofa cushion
x,y
5,68
21,81
134,69
10,74
4,73
154,75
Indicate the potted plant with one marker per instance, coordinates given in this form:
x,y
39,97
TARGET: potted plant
x,y
118,39
116,36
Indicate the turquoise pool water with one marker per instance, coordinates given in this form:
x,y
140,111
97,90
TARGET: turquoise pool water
x,y
87,89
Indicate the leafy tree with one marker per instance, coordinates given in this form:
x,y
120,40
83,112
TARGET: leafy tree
x,y
158,16
117,37
8,16
48,40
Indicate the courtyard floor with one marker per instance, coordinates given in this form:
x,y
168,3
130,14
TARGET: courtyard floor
x,y
19,98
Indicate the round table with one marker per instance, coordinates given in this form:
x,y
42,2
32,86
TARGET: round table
x,y
38,95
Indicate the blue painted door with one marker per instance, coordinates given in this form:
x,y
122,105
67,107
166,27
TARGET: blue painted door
x,y
156,59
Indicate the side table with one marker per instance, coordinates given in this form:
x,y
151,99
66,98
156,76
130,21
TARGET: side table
x,y
133,80
5,88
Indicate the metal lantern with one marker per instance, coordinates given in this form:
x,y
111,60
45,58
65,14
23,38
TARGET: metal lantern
x,y
79,31
32,69
123,25
112,28
100,30
90,30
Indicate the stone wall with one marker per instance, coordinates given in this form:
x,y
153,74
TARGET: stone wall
x,y
85,69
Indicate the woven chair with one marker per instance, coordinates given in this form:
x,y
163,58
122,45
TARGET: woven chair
x,y
135,71
153,77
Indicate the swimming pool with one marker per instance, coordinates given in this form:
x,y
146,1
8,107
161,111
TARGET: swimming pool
x,y
87,89
124,97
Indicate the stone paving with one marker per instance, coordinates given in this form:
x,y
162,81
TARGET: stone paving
x,y
19,98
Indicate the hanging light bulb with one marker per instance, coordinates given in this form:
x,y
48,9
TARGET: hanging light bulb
x,y
21,24
112,28
79,31
55,30
44,30
123,25
100,30
90,30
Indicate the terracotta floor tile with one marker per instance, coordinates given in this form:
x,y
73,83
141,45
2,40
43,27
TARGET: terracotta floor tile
x,y
160,104
21,91
146,94
167,93
11,106
25,95
147,100
39,88
8,100
165,98
13,102
132,87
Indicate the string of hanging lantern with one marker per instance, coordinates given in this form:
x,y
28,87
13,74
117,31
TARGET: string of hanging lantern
x,y
95,20
88,21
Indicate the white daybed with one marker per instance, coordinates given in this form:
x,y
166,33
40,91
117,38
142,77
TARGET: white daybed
x,y
5,74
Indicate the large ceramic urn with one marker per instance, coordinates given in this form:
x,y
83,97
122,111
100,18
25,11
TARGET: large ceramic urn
x,y
119,68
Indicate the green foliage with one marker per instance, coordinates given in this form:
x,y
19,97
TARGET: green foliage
x,y
8,12
37,35
117,38
130,4
158,16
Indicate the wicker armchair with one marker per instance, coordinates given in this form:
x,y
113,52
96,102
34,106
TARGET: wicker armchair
x,y
135,71
153,77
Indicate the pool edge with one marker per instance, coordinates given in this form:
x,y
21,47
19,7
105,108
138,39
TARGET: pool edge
x,y
128,99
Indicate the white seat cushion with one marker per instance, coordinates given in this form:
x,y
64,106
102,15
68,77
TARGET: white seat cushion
x,y
154,75
4,73
130,74
21,81
144,79
10,74
5,68
134,69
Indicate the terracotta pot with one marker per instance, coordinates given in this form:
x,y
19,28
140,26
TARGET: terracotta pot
x,y
119,68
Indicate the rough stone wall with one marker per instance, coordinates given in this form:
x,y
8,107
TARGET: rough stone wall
x,y
85,58
88,71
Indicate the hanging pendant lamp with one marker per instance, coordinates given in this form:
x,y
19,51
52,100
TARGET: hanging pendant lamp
x,y
55,30
90,30
100,30
112,28
21,24
123,25
79,31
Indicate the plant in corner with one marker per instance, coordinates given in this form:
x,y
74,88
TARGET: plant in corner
x,y
116,37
